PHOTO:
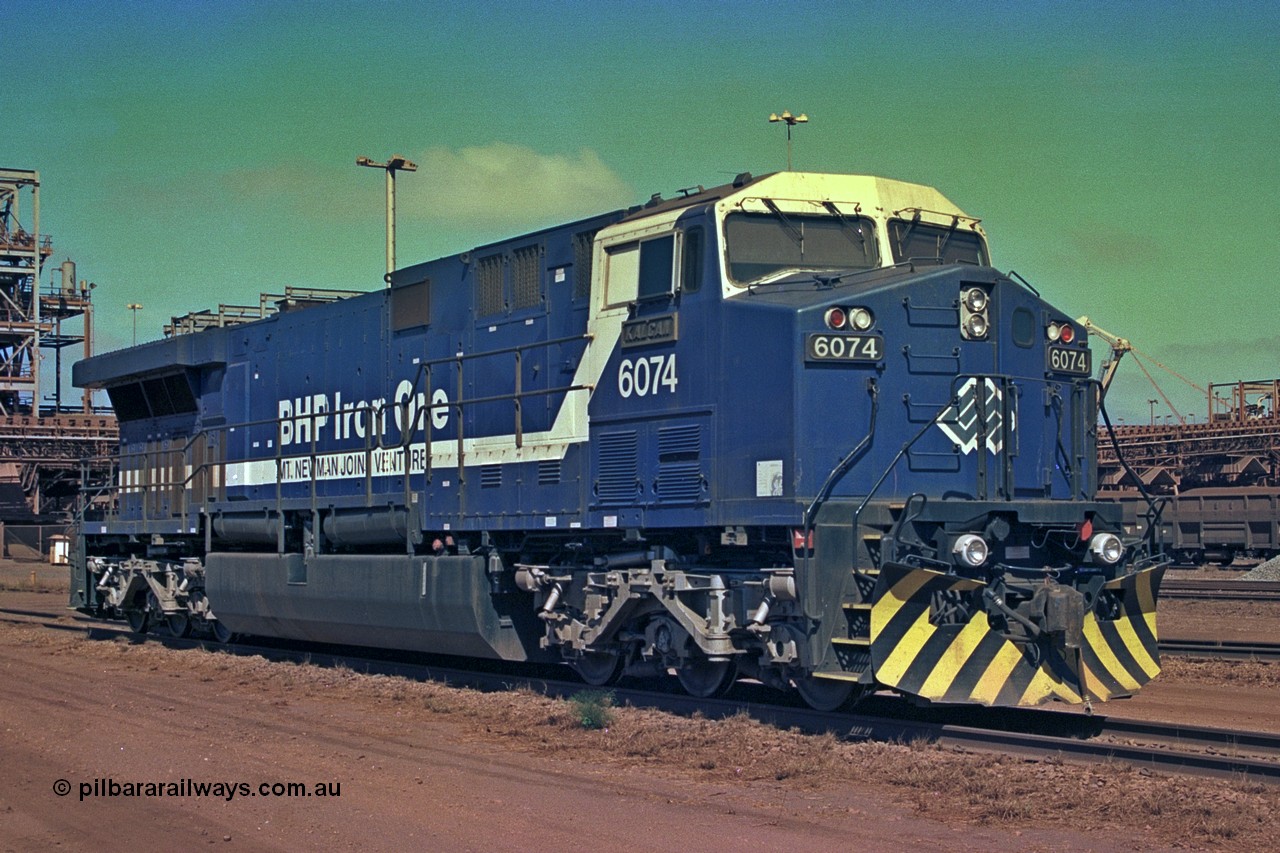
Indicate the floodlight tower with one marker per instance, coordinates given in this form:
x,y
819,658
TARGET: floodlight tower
x,y
791,121
397,163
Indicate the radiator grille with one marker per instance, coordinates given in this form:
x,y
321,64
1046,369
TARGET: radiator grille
x,y
489,296
526,281
582,244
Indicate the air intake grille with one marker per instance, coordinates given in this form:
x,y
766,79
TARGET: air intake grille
x,y
582,264
490,476
526,264
616,468
489,298
549,472
679,468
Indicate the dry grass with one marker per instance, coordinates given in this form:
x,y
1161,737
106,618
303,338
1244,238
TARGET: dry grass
x,y
17,584
1221,672
982,789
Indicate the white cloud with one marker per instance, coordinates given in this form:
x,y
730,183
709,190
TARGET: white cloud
x,y
506,186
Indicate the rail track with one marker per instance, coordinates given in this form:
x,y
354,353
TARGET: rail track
x,y
1034,733
1220,649
1221,590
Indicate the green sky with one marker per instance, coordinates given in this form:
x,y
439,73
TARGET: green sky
x,y
1122,156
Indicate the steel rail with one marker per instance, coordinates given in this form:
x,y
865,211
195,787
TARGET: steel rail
x,y
1223,649
1170,747
1224,590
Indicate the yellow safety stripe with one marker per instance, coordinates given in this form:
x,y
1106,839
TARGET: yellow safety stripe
x,y
995,676
948,666
905,652
1102,649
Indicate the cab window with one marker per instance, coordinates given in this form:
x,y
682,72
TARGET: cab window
x,y
657,262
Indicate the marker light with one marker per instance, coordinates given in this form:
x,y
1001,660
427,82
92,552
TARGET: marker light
x,y
971,549
860,319
1067,335
836,318
1107,547
1054,331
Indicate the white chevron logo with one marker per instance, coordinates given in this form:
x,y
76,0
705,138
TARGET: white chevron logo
x,y
960,420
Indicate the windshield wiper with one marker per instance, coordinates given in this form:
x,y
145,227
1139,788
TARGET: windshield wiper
x,y
792,231
849,227
955,222
905,233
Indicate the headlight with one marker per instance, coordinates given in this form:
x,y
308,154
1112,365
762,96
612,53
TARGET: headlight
x,y
976,327
1107,547
971,549
1060,333
860,319
975,299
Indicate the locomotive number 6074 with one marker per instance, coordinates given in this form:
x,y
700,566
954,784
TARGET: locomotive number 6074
x,y
824,347
647,376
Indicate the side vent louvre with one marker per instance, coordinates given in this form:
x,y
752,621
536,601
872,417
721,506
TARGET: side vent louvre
x,y
549,472
616,467
490,476
680,477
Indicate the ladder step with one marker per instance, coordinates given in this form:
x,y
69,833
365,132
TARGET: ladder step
x,y
861,642
860,605
839,676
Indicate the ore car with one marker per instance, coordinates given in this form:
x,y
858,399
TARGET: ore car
x,y
795,428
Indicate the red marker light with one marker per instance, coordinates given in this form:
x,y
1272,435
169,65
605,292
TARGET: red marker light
x,y
1067,335
836,318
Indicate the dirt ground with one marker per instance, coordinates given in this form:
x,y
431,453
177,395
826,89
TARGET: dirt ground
x,y
406,765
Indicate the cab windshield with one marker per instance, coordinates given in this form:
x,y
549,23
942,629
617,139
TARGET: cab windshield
x,y
913,240
762,244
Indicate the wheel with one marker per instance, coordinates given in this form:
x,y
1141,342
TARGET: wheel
x,y
599,669
825,694
705,678
221,633
179,624
139,620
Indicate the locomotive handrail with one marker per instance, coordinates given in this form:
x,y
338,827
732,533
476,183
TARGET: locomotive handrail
x,y
459,359
842,467
982,432
214,436
468,356
1155,508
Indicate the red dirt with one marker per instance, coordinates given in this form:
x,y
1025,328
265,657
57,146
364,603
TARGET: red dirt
x,y
428,767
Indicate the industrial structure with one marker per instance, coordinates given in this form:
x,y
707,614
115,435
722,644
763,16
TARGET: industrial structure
x,y
44,442
1238,444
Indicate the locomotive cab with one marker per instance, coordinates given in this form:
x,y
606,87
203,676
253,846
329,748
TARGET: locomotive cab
x,y
906,433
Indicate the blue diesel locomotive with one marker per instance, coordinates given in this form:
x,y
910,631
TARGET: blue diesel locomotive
x,y
794,428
